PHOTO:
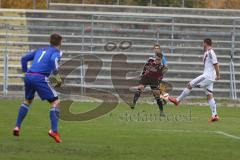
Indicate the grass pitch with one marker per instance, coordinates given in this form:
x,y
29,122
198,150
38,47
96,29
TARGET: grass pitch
x,y
123,134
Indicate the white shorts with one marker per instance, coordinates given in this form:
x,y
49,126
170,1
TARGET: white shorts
x,y
202,82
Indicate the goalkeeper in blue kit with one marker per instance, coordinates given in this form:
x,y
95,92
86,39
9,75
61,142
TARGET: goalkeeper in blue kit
x,y
44,63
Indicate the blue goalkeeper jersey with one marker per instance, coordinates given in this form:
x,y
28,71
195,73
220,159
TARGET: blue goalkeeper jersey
x,y
44,61
164,61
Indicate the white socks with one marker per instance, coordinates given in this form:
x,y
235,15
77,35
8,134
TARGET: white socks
x,y
184,94
213,106
211,102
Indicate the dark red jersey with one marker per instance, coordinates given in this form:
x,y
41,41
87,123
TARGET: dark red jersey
x,y
153,70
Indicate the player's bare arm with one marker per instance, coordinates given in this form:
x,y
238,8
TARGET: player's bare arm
x,y
217,69
164,69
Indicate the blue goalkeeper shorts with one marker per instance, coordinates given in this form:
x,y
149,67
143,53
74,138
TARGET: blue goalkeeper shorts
x,y
35,82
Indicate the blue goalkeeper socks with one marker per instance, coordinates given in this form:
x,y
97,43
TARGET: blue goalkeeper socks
x,y
23,110
54,117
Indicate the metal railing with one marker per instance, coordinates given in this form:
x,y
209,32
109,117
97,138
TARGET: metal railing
x,y
156,32
178,3
5,72
7,56
233,86
82,33
160,3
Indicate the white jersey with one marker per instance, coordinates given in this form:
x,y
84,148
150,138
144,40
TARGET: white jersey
x,y
209,59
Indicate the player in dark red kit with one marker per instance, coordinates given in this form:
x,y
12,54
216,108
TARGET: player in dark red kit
x,y
152,75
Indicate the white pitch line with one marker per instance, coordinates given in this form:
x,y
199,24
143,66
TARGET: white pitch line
x,y
198,131
183,131
227,135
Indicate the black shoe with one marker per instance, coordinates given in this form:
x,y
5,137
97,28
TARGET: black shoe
x,y
132,106
162,114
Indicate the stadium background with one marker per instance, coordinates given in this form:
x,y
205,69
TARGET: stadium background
x,y
87,26
42,4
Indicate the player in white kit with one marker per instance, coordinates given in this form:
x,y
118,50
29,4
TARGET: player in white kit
x,y
206,80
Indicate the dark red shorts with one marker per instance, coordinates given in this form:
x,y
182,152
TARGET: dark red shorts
x,y
154,83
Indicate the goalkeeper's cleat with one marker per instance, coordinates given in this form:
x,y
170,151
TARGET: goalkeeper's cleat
x,y
173,100
214,118
16,131
162,114
55,136
132,106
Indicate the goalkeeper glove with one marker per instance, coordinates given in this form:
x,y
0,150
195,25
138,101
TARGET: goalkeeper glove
x,y
55,80
23,75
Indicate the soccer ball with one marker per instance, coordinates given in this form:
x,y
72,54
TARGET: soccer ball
x,y
165,96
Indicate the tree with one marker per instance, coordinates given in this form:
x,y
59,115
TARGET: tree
x,y
222,4
40,4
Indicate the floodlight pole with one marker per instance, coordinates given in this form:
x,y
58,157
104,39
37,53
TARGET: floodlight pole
x,y
83,38
5,84
92,30
47,3
82,68
233,88
34,4
172,35
183,3
150,3
81,75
